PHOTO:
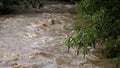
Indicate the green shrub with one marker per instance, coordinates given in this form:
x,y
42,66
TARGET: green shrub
x,y
99,22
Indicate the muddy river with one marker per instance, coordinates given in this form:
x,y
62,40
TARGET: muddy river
x,y
37,41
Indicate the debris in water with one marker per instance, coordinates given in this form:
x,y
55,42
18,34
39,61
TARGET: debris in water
x,y
16,66
32,57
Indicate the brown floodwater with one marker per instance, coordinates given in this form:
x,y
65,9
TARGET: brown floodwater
x,y
37,41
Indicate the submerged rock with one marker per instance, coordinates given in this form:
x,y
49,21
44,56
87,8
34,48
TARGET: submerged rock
x,y
94,59
63,60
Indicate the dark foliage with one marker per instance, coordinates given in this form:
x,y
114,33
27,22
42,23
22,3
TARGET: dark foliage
x,y
6,6
9,6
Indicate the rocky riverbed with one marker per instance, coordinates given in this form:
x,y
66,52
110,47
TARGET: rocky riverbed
x,y
37,41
